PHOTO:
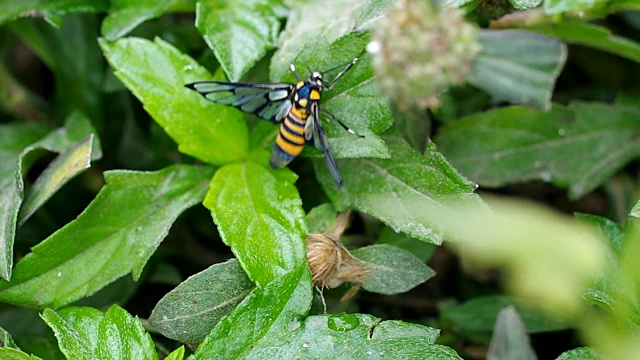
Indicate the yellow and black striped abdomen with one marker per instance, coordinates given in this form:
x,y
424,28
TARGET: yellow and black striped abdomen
x,y
290,140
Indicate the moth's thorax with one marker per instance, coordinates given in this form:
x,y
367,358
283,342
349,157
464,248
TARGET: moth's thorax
x,y
306,93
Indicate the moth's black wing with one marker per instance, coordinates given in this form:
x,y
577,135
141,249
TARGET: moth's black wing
x,y
268,101
314,126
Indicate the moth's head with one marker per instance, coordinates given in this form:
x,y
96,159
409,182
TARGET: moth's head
x,y
315,78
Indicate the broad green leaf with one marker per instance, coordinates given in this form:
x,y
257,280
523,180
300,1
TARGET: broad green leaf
x,y
239,32
156,73
355,99
189,312
18,149
15,354
395,190
328,42
64,168
560,6
510,339
260,217
516,144
10,10
265,314
419,249
475,319
126,15
391,269
330,22
349,336
86,333
120,230
518,67
581,353
597,37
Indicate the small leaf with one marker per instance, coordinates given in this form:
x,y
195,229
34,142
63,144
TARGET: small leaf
x,y
120,230
239,32
126,15
177,354
321,218
384,188
64,168
10,10
597,37
189,312
581,353
516,144
391,269
510,339
266,313
86,333
518,67
156,73
476,318
261,218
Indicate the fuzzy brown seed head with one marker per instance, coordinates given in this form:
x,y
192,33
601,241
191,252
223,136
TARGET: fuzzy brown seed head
x,y
420,50
331,262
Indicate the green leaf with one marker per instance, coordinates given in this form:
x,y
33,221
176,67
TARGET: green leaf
x,y
6,340
581,353
177,354
261,218
126,15
156,73
15,354
391,269
510,339
10,10
189,312
516,144
18,145
560,6
525,4
349,336
64,168
321,218
14,146
393,190
86,333
419,249
518,67
329,24
120,230
355,99
239,32
265,314
597,37
475,319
